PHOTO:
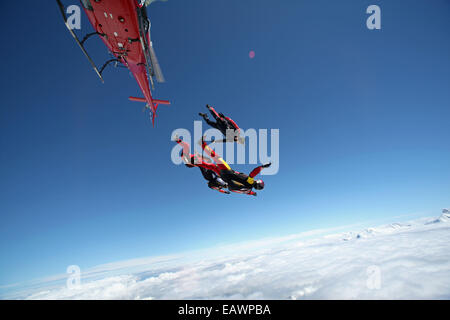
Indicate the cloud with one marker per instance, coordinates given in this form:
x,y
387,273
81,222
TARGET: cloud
x,y
412,261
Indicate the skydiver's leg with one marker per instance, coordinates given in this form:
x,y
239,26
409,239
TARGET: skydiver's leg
x,y
202,158
214,125
214,113
189,159
186,148
209,122
221,164
242,190
218,188
195,160
207,174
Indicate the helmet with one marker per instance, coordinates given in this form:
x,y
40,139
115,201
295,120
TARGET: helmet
x,y
259,184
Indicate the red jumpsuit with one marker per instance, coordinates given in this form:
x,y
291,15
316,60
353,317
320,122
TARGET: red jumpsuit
x,y
237,182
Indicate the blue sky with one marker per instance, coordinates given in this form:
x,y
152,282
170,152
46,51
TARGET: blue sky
x,y
84,178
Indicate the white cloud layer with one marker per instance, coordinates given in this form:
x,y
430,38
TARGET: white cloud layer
x,y
397,261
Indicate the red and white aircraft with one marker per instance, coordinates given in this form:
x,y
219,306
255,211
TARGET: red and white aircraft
x,y
124,27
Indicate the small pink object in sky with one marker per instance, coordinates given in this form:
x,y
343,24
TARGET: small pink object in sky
x,y
251,54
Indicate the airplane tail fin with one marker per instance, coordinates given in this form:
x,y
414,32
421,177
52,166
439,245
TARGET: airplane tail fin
x,y
155,101
153,109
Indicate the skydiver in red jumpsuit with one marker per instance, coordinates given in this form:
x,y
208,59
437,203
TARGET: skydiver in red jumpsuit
x,y
235,181
206,167
224,124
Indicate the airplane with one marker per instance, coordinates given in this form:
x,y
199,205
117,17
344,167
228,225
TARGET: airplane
x,y
124,27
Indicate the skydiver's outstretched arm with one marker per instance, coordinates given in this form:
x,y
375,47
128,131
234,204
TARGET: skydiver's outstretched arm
x,y
220,190
211,124
257,170
208,174
247,192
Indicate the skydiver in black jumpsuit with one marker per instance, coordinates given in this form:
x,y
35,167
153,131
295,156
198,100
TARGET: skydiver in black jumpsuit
x,y
224,124
214,182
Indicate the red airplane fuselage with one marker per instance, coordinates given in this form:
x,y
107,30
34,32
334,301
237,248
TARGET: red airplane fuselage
x,y
117,22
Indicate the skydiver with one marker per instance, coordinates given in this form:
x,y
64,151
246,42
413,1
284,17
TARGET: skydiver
x,y
224,124
205,165
214,182
237,182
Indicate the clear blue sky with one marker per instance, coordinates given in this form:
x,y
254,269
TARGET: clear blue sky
x,y
364,119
